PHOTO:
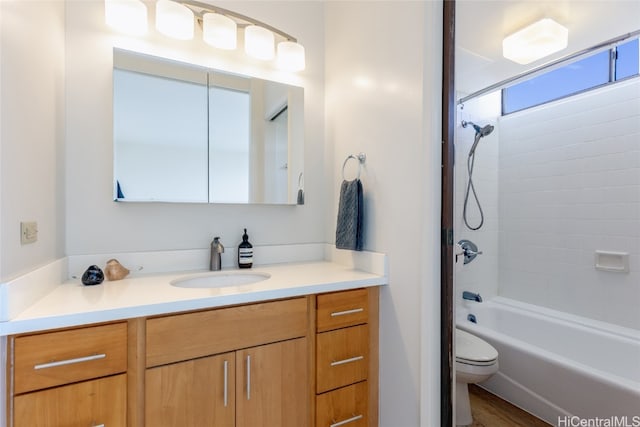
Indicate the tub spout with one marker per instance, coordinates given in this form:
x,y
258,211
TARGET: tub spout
x,y
471,296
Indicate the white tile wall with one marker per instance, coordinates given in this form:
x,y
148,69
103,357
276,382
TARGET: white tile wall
x,y
569,184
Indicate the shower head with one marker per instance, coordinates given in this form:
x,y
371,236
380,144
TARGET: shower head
x,y
484,131
480,132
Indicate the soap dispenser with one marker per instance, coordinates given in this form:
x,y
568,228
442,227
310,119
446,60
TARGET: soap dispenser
x,y
245,252
215,263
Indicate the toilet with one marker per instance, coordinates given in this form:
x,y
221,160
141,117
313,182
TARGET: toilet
x,y
476,361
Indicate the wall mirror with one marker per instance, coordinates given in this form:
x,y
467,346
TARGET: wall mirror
x,y
185,133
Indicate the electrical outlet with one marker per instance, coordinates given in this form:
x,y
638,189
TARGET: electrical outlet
x,y
28,232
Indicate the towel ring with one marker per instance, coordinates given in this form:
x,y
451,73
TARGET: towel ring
x,y
361,158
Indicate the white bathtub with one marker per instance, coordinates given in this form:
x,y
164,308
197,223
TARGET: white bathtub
x,y
555,365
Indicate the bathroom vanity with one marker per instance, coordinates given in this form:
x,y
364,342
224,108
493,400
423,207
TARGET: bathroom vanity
x,y
287,356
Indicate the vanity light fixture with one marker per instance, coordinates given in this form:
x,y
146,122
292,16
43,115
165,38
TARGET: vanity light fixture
x,y
127,16
175,18
219,31
540,39
259,42
291,56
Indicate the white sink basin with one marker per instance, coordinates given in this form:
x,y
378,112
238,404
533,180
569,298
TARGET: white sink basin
x,y
220,280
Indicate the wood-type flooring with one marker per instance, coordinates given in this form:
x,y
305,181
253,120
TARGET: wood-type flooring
x,y
489,410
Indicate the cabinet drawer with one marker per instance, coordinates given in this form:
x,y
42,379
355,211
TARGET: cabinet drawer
x,y
341,309
342,357
56,358
190,335
88,403
345,406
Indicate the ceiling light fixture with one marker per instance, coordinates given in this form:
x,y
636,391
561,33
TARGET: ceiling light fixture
x,y
175,18
540,39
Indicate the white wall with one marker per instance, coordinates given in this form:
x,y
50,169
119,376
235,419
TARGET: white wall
x,y
570,185
31,139
95,224
383,98
31,132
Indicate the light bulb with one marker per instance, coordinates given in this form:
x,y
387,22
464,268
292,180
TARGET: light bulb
x,y
174,20
291,56
219,31
259,42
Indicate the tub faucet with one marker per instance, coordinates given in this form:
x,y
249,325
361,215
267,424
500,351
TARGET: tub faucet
x,y
471,296
215,263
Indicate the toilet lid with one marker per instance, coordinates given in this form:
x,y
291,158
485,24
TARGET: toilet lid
x,y
470,348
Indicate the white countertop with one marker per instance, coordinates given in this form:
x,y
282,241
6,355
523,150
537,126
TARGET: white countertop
x,y
73,304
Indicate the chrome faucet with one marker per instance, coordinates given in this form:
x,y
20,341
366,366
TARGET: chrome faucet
x,y
471,296
469,250
215,264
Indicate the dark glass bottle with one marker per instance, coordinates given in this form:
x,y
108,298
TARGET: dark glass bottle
x,y
245,252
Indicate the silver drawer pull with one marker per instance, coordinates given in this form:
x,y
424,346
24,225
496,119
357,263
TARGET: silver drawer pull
x,y
342,362
70,361
226,383
347,421
248,377
99,425
342,313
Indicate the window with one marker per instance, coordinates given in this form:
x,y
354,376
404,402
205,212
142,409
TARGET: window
x,y
627,60
593,71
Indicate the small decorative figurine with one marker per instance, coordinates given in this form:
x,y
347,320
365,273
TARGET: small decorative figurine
x,y
93,276
115,271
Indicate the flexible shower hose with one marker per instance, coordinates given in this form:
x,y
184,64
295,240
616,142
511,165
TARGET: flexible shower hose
x,y
470,163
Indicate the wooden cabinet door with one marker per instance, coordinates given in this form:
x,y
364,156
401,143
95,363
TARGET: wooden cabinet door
x,y
272,385
195,393
89,403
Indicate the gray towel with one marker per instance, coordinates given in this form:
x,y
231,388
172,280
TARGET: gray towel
x,y
350,207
